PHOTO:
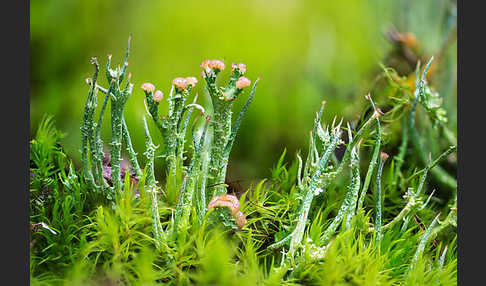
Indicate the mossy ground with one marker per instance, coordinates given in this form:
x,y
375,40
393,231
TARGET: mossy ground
x,y
98,242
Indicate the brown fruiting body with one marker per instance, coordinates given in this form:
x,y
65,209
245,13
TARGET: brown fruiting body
x,y
242,82
148,87
230,202
158,95
225,200
180,83
240,219
191,81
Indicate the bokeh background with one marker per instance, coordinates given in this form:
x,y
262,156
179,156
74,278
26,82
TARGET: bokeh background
x,y
305,51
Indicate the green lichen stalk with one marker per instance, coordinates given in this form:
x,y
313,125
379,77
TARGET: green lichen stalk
x,y
349,204
151,184
87,128
150,155
118,101
188,189
172,135
118,98
97,153
222,131
355,183
314,184
355,140
379,197
371,166
152,100
222,100
423,242
132,155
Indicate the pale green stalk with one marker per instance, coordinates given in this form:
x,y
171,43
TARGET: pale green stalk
x,y
412,202
118,98
203,177
349,203
352,143
371,166
379,197
222,130
434,163
185,204
174,138
355,184
152,185
311,154
298,232
87,128
132,155
236,126
99,154
117,104
423,242
222,100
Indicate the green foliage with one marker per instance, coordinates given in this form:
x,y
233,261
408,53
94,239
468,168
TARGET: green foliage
x,y
311,223
59,202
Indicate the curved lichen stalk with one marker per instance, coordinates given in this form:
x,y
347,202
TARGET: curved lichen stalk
x,y
98,153
346,211
379,198
298,232
372,165
357,137
132,155
310,166
151,185
312,154
423,242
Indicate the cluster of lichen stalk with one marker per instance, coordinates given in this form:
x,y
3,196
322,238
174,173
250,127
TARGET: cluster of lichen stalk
x,y
210,154
318,173
211,146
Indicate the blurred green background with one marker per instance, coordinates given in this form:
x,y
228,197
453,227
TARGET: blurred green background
x,y
305,51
